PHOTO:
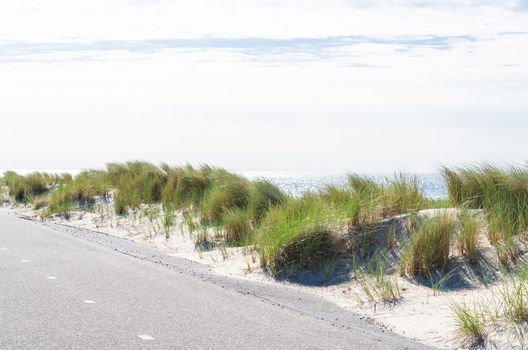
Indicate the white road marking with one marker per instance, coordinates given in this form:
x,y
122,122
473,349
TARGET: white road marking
x,y
145,337
24,260
89,301
3,248
51,277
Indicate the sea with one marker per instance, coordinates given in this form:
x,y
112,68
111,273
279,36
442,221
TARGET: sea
x,y
297,183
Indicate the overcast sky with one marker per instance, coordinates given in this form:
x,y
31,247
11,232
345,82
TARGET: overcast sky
x,y
290,85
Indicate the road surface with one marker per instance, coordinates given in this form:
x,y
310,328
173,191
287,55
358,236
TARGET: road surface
x,y
64,288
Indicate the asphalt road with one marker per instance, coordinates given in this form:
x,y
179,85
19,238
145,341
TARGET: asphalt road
x,y
63,288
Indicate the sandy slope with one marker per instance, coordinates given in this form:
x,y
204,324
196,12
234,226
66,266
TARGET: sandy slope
x,y
110,293
421,313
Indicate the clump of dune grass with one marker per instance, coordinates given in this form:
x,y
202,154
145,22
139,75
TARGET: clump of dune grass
x,y
297,234
4,190
467,239
228,193
507,307
40,203
135,183
342,201
217,197
237,225
471,323
189,221
367,200
25,188
501,192
306,249
507,251
79,192
376,199
263,196
402,194
187,186
376,282
168,219
152,213
358,205
337,195
514,296
227,201
429,246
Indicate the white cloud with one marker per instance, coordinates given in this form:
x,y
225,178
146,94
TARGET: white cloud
x,y
35,20
72,86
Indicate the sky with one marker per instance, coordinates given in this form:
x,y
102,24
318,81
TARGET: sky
x,y
262,85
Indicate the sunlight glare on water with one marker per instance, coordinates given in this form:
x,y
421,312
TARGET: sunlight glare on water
x,y
297,183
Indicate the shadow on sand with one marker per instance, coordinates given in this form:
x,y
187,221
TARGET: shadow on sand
x,y
363,244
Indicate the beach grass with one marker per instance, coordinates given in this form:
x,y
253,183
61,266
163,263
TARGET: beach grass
x,y
80,192
135,183
471,323
501,192
318,231
352,208
374,199
374,278
244,212
429,245
237,225
185,186
469,228
291,231
259,213
228,202
505,309
263,196
24,188
306,249
228,192
168,219
514,296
